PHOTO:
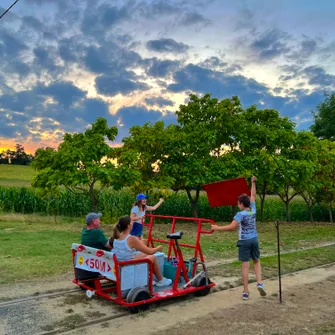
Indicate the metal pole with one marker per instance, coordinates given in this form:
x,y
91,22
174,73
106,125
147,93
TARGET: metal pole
x,y
279,270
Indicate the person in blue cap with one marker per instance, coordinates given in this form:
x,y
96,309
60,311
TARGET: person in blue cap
x,y
138,212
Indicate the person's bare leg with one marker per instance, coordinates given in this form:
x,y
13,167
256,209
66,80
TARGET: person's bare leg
x,y
245,275
258,270
155,264
140,255
156,268
258,273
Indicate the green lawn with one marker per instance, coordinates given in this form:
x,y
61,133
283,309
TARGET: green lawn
x,y
33,246
15,175
292,262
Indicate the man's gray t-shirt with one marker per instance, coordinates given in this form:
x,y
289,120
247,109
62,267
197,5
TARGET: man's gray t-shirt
x,y
247,223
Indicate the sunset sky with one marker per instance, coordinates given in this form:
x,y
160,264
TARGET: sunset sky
x,y
64,63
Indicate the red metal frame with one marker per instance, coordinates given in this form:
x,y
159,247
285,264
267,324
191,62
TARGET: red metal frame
x,y
196,247
155,296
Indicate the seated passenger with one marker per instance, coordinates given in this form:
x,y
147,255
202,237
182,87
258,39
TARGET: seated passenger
x,y
92,236
125,245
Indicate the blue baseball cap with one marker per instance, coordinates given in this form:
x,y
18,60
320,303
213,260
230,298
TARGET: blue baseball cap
x,y
141,196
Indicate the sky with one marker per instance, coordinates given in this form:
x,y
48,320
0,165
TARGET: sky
x,y
65,63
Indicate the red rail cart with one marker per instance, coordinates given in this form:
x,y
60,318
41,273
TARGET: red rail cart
x,y
130,283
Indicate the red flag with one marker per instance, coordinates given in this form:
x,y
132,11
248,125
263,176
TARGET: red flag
x,y
225,192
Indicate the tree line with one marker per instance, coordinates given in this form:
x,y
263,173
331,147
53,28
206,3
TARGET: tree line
x,y
16,157
212,140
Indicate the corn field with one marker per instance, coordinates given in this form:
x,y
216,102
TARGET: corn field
x,y
114,204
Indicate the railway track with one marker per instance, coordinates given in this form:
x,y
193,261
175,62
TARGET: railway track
x,y
38,297
116,316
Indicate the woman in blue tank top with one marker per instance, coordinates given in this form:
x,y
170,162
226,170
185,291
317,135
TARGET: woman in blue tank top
x,y
124,246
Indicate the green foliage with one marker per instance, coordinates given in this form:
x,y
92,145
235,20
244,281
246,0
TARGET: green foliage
x,y
324,118
80,163
113,204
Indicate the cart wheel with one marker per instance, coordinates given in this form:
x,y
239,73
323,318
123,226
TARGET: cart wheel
x,y
138,294
201,281
90,294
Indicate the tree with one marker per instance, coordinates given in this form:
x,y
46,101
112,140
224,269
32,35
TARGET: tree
x,y
16,157
4,158
80,164
187,155
262,135
294,168
308,188
325,176
324,118
208,130
143,152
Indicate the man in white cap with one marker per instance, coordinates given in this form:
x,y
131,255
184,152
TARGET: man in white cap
x,y
92,236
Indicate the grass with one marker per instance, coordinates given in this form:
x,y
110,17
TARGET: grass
x,y
223,245
33,246
15,175
292,262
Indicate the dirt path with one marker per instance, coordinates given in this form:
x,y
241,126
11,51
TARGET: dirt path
x,y
308,308
308,302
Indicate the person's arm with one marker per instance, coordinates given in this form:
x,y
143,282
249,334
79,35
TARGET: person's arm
x,y
108,246
134,242
133,214
134,217
152,208
229,227
253,189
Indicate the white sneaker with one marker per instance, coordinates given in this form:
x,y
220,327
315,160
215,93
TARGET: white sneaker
x,y
153,283
164,282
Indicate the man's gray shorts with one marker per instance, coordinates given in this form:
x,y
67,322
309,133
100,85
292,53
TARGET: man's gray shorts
x,y
248,249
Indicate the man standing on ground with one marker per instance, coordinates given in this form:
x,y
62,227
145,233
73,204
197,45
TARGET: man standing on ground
x,y
247,244
92,236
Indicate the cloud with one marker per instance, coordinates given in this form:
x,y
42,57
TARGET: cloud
x,y
270,44
45,59
65,93
189,19
9,45
19,101
202,80
33,23
296,105
213,62
13,125
110,58
161,68
159,101
306,48
317,75
114,84
167,45
98,20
